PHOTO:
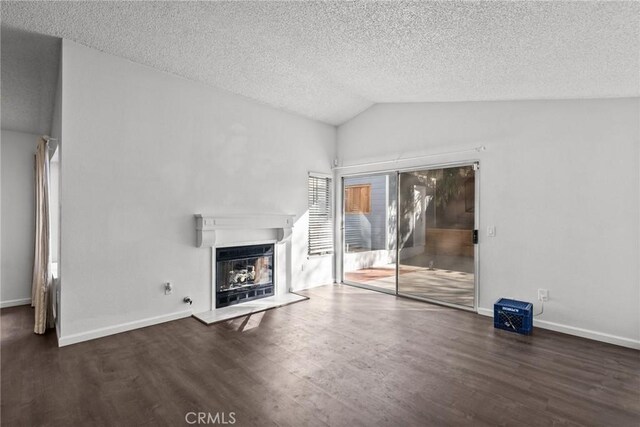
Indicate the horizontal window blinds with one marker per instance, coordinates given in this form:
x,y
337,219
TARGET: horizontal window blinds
x,y
320,216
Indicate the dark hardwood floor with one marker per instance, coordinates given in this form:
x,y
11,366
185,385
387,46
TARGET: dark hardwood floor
x,y
346,357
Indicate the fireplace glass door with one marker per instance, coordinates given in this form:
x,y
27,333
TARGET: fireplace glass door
x,y
243,273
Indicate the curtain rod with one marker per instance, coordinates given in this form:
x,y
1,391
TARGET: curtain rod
x,y
384,162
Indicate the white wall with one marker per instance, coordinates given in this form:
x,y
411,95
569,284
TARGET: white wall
x,y
18,219
143,151
54,184
559,180
56,133
54,197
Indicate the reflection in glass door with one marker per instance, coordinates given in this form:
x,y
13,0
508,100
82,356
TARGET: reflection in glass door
x,y
369,221
436,235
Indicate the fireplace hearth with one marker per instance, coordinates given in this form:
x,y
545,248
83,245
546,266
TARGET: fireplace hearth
x,y
244,273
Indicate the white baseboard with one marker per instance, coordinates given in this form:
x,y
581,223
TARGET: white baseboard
x,y
572,330
15,302
123,327
307,286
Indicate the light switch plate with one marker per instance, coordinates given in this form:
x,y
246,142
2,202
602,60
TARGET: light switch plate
x,y
491,231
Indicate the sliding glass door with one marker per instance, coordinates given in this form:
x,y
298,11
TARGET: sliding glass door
x,y
369,231
436,235
412,233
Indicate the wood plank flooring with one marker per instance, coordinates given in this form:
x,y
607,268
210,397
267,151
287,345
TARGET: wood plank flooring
x,y
346,357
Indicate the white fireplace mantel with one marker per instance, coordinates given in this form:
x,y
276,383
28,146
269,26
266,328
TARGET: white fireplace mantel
x,y
216,231
207,225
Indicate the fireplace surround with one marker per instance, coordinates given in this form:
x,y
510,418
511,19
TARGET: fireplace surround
x,y
222,233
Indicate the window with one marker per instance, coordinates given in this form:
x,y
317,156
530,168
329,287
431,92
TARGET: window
x,y
320,215
357,199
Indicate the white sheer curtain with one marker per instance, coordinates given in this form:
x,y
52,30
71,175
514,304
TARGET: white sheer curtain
x,y
42,277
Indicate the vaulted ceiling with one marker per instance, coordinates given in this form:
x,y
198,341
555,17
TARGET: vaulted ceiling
x,y
331,60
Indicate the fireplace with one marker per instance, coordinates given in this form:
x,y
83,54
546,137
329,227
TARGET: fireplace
x,y
244,273
244,270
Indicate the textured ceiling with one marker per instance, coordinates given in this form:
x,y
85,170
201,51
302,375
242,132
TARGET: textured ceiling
x,y
331,60
29,74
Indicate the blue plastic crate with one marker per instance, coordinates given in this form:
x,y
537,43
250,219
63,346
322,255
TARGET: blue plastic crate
x,y
512,315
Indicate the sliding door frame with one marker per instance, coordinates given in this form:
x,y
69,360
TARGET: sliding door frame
x,y
476,247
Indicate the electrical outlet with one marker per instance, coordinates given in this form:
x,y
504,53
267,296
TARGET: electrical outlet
x,y
168,288
543,295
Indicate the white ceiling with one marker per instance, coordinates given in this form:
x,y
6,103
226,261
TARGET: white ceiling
x,y
331,60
